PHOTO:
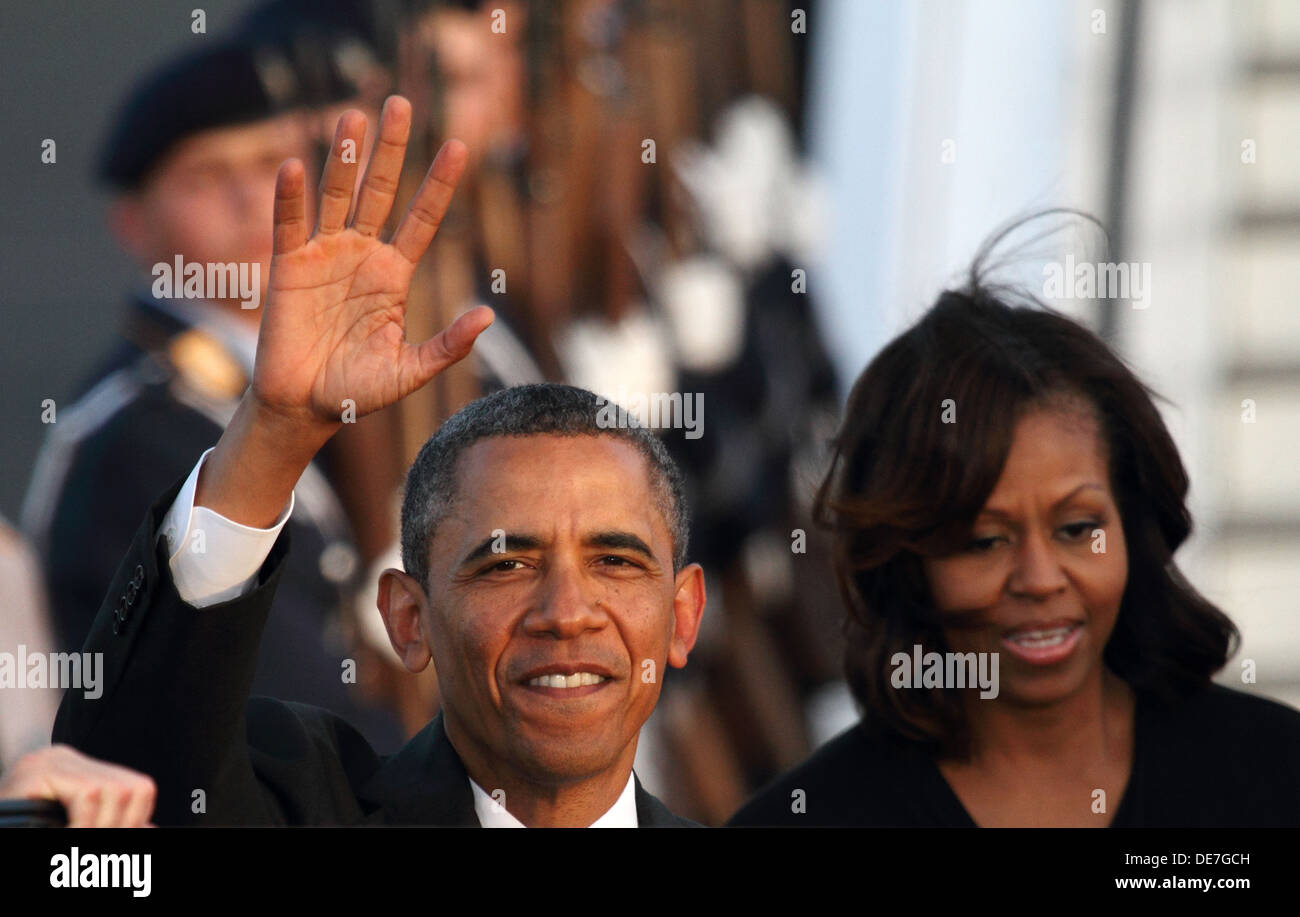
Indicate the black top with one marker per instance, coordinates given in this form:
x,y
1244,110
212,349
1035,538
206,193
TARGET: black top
x,y
1221,758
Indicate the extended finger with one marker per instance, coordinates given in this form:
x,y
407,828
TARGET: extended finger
x,y
290,207
379,187
425,214
340,175
453,343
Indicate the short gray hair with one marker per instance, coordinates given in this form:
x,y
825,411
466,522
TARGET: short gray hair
x,y
528,410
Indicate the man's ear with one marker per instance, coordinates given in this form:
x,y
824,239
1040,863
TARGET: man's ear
x,y
688,609
402,603
129,226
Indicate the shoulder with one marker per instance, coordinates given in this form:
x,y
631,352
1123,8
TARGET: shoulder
x,y
848,781
129,407
1220,757
652,813
151,405
287,728
1218,715
108,452
183,389
314,761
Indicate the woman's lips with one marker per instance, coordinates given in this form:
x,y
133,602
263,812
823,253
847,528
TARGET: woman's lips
x,y
1043,645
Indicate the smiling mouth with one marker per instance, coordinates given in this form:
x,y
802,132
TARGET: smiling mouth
x,y
1044,645
572,680
1043,638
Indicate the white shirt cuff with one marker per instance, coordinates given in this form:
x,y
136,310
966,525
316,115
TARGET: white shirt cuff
x,y
213,559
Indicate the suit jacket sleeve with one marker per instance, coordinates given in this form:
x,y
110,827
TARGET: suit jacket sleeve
x,y
173,686
114,475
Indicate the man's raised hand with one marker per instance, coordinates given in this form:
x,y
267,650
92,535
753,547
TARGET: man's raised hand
x,y
333,329
334,323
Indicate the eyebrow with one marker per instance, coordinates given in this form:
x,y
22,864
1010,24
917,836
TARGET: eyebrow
x,y
1066,499
620,541
512,543
613,540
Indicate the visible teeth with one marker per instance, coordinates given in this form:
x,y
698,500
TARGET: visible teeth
x,y
576,680
1042,638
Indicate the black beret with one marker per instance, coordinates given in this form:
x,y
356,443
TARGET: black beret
x,y
217,86
284,55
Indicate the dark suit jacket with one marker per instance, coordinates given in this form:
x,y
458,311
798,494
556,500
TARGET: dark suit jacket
x,y
104,463
175,704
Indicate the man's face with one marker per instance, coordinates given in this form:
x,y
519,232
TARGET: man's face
x,y
481,73
210,198
580,591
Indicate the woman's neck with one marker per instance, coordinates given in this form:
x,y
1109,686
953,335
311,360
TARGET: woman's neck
x,y
1044,765
1097,719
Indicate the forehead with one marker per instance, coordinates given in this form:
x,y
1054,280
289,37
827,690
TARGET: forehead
x,y
539,483
238,141
1053,447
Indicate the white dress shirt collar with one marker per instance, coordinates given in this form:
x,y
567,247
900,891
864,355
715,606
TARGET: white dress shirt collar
x,y
491,814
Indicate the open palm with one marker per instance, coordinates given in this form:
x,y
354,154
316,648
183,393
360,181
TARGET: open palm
x,y
333,327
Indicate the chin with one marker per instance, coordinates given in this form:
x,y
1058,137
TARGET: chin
x,y
1038,692
1046,688
564,762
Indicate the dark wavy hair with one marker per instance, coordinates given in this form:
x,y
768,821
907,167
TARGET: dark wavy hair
x,y
902,485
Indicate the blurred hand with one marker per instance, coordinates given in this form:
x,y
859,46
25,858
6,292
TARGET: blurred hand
x,y
95,794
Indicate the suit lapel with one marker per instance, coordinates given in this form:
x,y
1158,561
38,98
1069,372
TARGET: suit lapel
x,y
423,784
651,813
426,784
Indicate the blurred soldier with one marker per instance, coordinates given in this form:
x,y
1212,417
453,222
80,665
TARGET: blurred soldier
x,y
193,159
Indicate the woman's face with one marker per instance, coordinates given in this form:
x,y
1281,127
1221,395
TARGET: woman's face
x,y
1041,581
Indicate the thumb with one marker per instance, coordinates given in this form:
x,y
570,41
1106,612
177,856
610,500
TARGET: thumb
x,y
450,345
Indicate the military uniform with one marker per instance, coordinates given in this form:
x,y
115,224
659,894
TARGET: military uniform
x,y
159,400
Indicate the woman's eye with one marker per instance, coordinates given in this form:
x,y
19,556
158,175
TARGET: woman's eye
x,y
980,545
1077,530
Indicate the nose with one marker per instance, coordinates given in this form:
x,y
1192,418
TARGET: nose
x,y
249,197
242,192
1037,573
567,605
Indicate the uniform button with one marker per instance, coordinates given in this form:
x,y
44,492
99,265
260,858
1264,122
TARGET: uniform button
x,y
131,593
138,579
